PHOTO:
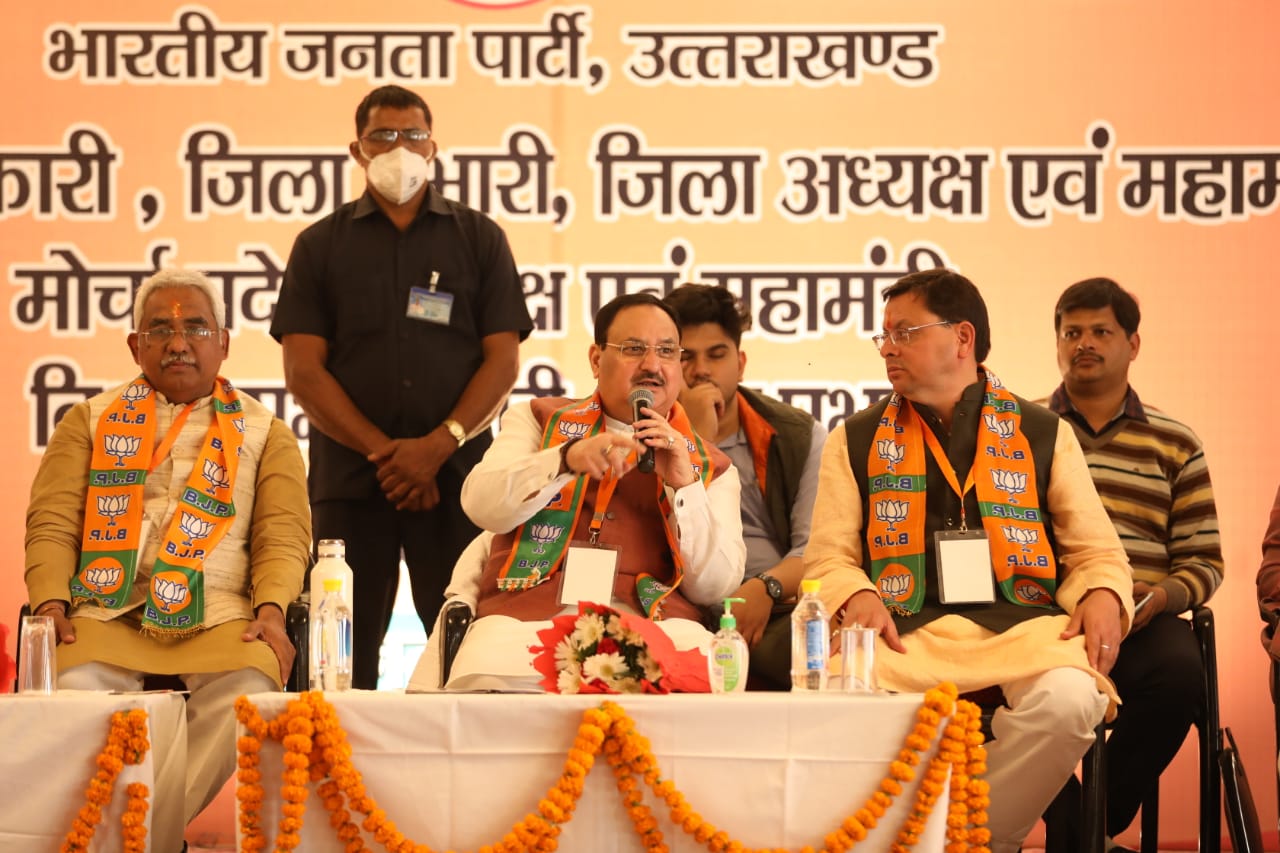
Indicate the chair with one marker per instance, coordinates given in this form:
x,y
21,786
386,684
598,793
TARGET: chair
x,y
297,621
455,619
1242,814
1092,808
1093,786
1210,742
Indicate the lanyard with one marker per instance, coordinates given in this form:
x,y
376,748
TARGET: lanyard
x,y
166,443
604,494
944,465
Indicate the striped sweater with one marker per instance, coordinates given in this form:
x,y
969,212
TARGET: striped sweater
x,y
1151,474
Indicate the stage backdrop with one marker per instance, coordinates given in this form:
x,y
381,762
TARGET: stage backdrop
x,y
805,155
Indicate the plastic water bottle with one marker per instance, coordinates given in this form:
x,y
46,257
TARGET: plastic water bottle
x,y
810,640
331,564
331,641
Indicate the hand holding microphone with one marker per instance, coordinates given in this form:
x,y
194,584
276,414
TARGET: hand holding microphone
x,y
641,398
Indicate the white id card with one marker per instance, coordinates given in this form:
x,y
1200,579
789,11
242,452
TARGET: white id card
x,y
430,305
964,567
587,574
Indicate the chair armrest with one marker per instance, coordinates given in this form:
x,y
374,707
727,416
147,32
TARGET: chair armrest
x,y
454,622
297,624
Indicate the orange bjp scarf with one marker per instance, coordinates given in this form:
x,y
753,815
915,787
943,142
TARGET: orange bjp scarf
x,y
124,454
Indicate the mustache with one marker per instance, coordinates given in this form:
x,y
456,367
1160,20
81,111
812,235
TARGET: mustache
x,y
178,358
650,376
1093,356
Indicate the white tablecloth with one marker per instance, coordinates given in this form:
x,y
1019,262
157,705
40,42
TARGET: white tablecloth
x,y
456,771
49,746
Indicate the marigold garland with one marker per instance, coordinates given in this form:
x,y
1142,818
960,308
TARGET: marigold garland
x,y
317,751
126,744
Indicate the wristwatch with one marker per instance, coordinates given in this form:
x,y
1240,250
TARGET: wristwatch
x,y
772,585
456,430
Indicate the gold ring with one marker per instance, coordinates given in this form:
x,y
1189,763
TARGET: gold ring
x,y
1105,646
607,451
671,442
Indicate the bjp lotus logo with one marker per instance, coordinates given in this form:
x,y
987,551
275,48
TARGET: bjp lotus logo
x,y
170,590
572,430
1029,592
544,535
111,507
890,451
896,582
215,475
103,576
135,394
194,527
1002,427
1011,482
891,512
121,446
1023,536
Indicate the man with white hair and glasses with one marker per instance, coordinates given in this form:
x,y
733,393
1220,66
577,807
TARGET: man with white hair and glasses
x,y
168,531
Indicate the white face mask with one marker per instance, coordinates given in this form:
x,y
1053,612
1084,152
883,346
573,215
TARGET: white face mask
x,y
398,174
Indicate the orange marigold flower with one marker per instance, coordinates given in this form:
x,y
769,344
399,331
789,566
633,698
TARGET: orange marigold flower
x,y
918,743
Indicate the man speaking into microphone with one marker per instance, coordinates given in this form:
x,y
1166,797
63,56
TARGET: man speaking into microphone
x,y
612,497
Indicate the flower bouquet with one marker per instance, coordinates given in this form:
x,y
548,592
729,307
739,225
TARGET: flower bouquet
x,y
600,650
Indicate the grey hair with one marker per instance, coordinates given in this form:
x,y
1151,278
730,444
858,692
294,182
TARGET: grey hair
x,y
180,278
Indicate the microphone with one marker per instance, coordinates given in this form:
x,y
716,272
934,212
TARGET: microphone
x,y
638,398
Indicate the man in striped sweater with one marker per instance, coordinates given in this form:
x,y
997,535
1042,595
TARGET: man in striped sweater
x,y
1151,474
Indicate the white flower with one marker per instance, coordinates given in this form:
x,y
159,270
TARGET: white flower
x,y
567,681
566,654
652,671
627,685
588,630
607,668
622,635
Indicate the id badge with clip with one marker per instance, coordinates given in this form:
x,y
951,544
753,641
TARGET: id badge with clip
x,y
432,306
965,575
587,574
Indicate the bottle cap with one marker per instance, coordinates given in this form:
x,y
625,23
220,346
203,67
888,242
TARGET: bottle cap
x,y
331,548
332,584
727,619
809,586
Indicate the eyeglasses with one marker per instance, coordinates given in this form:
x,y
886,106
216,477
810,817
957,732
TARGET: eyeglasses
x,y
634,350
384,138
161,335
903,336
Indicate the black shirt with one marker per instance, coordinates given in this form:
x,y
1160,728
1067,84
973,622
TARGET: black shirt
x,y
349,279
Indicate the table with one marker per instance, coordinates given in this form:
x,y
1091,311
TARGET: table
x,y
50,744
455,771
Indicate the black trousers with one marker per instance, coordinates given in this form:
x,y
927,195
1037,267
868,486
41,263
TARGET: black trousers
x,y
1159,676
377,535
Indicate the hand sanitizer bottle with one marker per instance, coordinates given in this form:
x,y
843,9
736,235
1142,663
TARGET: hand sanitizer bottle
x,y
727,658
